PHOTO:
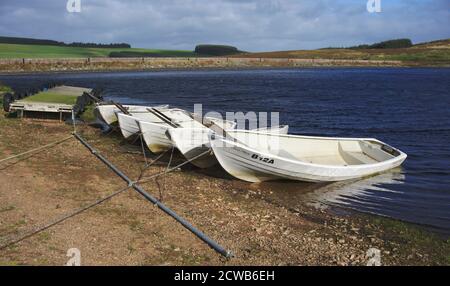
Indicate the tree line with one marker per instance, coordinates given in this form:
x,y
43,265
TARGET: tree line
x,y
31,41
391,44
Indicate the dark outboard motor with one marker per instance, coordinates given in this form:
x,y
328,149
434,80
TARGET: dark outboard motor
x,y
79,105
7,100
17,96
34,91
97,92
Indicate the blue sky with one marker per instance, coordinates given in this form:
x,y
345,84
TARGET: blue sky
x,y
253,25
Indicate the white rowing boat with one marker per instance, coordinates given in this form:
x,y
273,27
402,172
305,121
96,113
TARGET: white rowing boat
x,y
128,122
157,135
108,112
257,157
193,142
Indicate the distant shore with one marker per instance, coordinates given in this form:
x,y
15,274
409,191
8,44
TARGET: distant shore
x,y
8,66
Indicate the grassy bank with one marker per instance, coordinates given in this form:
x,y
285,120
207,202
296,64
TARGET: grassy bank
x,y
4,88
127,230
408,56
430,54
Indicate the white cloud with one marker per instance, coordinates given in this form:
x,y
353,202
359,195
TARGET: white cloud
x,y
253,25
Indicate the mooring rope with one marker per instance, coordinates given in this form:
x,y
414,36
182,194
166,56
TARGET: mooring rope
x,y
61,219
161,190
147,179
143,149
151,164
36,149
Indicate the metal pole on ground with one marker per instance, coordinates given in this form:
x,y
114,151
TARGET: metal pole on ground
x,y
213,244
73,121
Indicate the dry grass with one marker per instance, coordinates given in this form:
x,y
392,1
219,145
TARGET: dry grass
x,y
433,53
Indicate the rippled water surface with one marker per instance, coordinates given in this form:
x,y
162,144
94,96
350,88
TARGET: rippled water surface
x,y
406,108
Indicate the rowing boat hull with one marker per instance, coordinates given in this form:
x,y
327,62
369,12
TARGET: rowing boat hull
x,y
108,112
157,135
154,135
128,123
192,142
256,165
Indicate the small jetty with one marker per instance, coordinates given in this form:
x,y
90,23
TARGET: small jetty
x,y
54,102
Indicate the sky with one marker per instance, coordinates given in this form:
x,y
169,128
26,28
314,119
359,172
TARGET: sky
x,y
250,25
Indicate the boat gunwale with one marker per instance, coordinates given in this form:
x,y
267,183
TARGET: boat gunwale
x,y
401,157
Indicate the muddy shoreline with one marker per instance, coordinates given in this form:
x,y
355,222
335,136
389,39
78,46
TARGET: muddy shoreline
x,y
127,230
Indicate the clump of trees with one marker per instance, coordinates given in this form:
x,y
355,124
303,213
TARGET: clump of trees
x,y
391,44
216,50
95,45
30,41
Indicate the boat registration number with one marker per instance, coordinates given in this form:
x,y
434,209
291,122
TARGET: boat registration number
x,y
263,159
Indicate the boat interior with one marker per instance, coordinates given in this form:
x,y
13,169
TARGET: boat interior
x,y
315,150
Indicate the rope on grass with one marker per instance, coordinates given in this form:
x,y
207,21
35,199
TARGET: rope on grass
x,y
147,179
161,191
151,164
37,149
143,149
61,219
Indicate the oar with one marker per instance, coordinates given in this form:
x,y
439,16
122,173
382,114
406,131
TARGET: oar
x,y
118,105
213,126
93,97
163,117
121,107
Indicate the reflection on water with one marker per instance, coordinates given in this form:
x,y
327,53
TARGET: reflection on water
x,y
356,191
367,193
382,194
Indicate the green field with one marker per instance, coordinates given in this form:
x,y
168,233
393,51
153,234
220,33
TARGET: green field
x,y
4,88
40,51
52,97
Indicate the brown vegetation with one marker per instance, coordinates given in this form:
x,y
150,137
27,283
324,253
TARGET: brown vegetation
x,y
435,53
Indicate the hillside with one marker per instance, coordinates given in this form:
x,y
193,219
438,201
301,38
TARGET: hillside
x,y
431,53
19,47
51,51
435,53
